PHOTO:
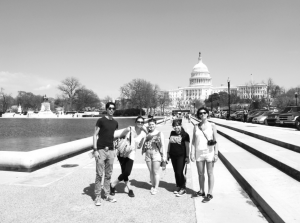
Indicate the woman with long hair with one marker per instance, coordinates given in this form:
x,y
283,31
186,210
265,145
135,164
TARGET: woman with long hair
x,y
178,151
137,135
154,150
204,151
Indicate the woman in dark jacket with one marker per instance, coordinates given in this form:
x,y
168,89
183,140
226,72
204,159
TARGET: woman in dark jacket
x,y
178,151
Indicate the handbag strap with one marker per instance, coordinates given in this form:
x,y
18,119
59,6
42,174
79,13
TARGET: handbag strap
x,y
130,135
203,133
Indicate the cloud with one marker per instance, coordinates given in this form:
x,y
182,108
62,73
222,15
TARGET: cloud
x,y
48,86
14,82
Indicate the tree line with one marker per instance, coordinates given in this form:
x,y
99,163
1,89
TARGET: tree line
x,y
73,95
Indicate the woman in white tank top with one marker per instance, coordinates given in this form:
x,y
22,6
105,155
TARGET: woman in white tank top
x,y
204,151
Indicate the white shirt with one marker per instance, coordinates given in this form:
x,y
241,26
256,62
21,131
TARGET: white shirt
x,y
135,141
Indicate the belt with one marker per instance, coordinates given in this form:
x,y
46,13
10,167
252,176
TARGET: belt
x,y
106,148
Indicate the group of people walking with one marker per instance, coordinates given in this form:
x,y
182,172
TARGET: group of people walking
x,y
203,150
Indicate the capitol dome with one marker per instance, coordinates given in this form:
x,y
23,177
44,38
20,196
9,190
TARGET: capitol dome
x,y
200,74
200,67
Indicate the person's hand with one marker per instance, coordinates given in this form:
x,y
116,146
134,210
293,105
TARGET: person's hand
x,y
216,157
97,154
187,160
193,157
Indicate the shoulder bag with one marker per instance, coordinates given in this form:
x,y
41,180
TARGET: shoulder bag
x,y
123,145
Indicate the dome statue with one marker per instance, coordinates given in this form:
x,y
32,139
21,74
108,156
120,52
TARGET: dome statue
x,y
200,67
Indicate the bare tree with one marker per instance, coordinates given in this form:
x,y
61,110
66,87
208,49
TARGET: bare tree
x,y
3,99
86,98
163,100
140,93
137,91
68,87
6,100
107,99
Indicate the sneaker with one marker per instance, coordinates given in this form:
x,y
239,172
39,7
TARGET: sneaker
x,y
181,192
110,199
177,190
207,198
98,201
152,188
112,190
130,193
199,194
154,191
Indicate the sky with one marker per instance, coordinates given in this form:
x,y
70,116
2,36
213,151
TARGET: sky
x,y
106,44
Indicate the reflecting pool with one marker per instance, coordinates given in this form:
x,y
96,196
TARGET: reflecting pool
x,y
25,134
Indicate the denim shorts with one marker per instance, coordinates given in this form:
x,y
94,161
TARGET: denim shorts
x,y
152,155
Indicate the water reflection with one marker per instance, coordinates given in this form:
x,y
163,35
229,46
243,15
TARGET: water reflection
x,y
31,134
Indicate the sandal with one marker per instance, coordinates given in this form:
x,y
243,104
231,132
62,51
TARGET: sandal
x,y
207,198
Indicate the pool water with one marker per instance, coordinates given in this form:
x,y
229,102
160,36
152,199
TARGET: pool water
x,y
25,134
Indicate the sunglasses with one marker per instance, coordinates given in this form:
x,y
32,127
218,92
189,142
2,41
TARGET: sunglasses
x,y
111,108
140,122
202,113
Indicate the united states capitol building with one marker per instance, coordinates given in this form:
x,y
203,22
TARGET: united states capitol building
x,y
200,87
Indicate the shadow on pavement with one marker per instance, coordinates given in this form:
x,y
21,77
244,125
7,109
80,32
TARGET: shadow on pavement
x,y
140,184
90,191
163,184
120,188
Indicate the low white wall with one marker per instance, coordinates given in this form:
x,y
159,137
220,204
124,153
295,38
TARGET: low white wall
x,y
29,161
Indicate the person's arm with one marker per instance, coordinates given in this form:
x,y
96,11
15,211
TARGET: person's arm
x,y
168,152
121,132
96,153
187,147
164,151
141,140
217,145
193,145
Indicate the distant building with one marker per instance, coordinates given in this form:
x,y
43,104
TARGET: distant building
x,y
200,87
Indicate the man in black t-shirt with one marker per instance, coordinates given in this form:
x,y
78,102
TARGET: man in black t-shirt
x,y
104,152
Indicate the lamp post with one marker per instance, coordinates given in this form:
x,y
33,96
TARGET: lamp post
x,y
296,97
211,103
228,81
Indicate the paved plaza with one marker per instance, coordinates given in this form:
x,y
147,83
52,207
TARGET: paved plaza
x,y
64,192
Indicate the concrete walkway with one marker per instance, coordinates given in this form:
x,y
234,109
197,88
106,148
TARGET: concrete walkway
x,y
63,192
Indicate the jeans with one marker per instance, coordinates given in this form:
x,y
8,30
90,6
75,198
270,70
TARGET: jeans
x,y
126,166
178,163
105,163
